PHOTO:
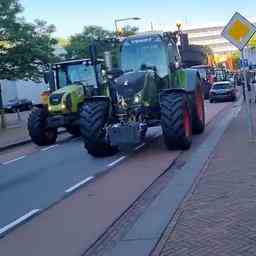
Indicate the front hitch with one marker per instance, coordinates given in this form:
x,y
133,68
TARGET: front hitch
x,y
127,134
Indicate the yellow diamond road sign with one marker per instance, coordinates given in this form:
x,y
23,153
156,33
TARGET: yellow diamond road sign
x,y
239,31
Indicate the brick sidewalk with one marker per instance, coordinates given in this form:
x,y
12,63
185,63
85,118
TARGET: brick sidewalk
x,y
219,218
16,130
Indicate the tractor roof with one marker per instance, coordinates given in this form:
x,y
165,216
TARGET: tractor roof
x,y
76,61
161,34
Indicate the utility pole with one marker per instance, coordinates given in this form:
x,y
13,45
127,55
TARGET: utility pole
x,y
248,99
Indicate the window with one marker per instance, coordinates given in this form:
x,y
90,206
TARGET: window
x,y
149,52
76,73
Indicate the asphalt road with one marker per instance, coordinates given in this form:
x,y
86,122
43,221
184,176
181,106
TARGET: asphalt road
x,y
41,176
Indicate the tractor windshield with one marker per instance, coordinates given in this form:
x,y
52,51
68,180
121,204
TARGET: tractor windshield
x,y
138,54
76,73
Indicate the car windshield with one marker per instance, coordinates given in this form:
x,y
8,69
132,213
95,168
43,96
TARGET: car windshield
x,y
78,73
137,54
221,86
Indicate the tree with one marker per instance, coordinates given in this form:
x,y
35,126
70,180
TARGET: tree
x,y
26,50
24,47
235,56
78,46
127,31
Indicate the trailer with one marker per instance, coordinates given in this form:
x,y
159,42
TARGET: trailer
x,y
20,90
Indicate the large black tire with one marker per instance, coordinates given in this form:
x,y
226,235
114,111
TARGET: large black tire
x,y
39,133
198,111
176,121
74,130
93,118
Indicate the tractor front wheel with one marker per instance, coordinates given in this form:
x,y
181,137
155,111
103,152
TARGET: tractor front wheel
x,y
37,128
93,118
176,121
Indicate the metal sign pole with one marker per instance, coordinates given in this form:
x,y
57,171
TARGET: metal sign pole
x,y
2,117
249,100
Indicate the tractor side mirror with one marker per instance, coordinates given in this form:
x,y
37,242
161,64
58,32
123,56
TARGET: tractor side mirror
x,y
49,79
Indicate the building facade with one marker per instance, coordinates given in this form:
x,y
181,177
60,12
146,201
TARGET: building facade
x,y
211,36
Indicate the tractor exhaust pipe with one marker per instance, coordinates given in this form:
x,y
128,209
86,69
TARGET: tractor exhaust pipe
x,y
108,60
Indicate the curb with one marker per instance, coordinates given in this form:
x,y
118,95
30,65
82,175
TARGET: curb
x,y
21,143
16,144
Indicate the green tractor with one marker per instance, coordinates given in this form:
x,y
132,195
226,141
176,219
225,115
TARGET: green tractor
x,y
70,82
149,89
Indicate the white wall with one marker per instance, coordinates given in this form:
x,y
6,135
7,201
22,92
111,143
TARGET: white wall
x,y
30,90
22,90
9,90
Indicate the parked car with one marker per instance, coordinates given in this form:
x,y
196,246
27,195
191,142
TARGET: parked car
x,y
221,91
18,104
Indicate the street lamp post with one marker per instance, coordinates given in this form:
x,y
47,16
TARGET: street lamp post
x,y
119,20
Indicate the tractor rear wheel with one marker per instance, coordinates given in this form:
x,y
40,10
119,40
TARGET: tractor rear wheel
x,y
176,121
37,128
198,112
93,118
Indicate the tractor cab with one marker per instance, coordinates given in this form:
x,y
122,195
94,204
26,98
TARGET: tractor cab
x,y
70,83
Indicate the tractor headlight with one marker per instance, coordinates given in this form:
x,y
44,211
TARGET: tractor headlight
x,y
63,106
49,108
137,98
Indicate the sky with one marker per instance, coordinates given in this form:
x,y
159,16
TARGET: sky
x,y
71,16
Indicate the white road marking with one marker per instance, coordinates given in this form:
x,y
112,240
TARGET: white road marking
x,y
50,147
140,146
79,184
19,221
116,161
14,160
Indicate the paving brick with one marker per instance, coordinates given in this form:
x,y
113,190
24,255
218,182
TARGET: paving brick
x,y
219,217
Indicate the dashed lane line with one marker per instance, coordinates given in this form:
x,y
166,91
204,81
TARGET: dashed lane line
x,y
50,147
14,160
18,221
139,147
116,161
79,184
